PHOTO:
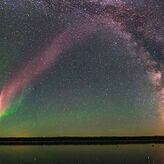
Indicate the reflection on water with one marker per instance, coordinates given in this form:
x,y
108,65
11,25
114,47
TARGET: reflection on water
x,y
97,154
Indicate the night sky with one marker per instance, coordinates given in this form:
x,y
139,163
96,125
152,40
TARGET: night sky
x,y
81,68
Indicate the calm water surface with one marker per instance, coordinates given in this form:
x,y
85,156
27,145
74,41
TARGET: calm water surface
x,y
97,154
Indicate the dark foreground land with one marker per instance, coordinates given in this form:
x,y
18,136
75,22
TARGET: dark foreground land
x,y
81,140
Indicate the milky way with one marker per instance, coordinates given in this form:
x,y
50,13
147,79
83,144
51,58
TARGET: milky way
x,y
133,21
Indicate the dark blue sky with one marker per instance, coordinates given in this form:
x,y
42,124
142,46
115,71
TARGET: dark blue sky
x,y
102,85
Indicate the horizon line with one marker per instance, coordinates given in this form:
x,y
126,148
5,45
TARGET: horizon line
x,y
78,140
